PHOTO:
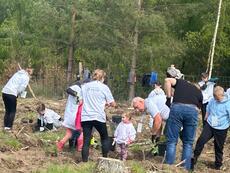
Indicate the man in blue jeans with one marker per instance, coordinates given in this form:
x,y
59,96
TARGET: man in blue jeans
x,y
187,98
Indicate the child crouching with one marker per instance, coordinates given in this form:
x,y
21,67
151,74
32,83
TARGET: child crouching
x,y
47,118
125,134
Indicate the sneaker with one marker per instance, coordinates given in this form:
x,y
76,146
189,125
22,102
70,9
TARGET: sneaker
x,y
60,146
7,129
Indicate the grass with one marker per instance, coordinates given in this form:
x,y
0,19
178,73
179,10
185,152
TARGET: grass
x,y
49,138
69,168
9,141
136,167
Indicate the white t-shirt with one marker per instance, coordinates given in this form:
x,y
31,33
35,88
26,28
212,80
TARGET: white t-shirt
x,y
208,92
156,91
228,91
71,108
124,132
51,117
156,104
95,95
17,83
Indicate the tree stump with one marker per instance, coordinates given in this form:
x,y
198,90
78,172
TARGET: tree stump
x,y
109,165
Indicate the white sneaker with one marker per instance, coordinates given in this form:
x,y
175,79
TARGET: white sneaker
x,y
7,129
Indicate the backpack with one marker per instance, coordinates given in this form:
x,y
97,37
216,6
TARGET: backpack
x,y
153,78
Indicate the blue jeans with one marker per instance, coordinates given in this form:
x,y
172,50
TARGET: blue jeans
x,y
186,116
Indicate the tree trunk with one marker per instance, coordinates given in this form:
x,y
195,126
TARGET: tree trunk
x,y
109,165
71,46
134,59
211,53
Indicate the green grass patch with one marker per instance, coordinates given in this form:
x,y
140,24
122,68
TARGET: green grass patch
x,y
69,168
9,141
49,138
136,167
50,135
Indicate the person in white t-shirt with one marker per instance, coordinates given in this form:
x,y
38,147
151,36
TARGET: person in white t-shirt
x,y
157,109
10,92
228,91
47,118
207,88
124,135
96,95
157,90
72,107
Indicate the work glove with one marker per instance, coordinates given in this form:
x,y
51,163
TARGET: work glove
x,y
168,101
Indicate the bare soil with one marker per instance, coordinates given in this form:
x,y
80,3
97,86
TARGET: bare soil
x,y
32,154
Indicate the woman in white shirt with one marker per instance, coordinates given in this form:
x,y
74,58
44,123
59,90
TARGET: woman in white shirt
x,y
96,95
14,87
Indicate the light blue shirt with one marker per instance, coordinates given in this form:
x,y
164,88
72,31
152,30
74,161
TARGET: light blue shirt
x,y
219,113
95,95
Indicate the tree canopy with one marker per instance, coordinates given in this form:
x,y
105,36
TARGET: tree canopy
x,y
100,33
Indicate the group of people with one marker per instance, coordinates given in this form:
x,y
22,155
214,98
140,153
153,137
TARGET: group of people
x,y
174,109
183,100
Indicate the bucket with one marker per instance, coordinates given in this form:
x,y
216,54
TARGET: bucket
x,y
116,119
161,149
111,146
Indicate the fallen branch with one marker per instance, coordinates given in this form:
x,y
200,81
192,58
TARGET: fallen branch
x,y
75,163
25,148
20,131
155,167
28,136
183,161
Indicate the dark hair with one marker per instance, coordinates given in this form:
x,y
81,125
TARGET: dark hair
x,y
204,75
41,107
158,83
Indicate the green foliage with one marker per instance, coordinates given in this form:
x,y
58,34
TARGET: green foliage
x,y
37,32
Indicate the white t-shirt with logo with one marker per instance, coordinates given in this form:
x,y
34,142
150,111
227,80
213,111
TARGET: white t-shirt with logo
x,y
95,95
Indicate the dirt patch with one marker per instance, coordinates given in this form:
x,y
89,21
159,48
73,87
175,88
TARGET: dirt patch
x,y
35,153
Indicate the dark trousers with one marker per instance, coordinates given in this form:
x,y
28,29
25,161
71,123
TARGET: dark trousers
x,y
203,112
73,139
10,102
87,131
219,139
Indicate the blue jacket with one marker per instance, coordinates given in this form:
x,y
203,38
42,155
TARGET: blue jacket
x,y
219,113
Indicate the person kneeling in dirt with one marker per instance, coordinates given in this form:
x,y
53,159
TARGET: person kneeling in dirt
x,y
158,110
218,122
125,134
47,118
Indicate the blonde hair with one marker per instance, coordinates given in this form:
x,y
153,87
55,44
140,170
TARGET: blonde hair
x,y
127,115
99,75
218,90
